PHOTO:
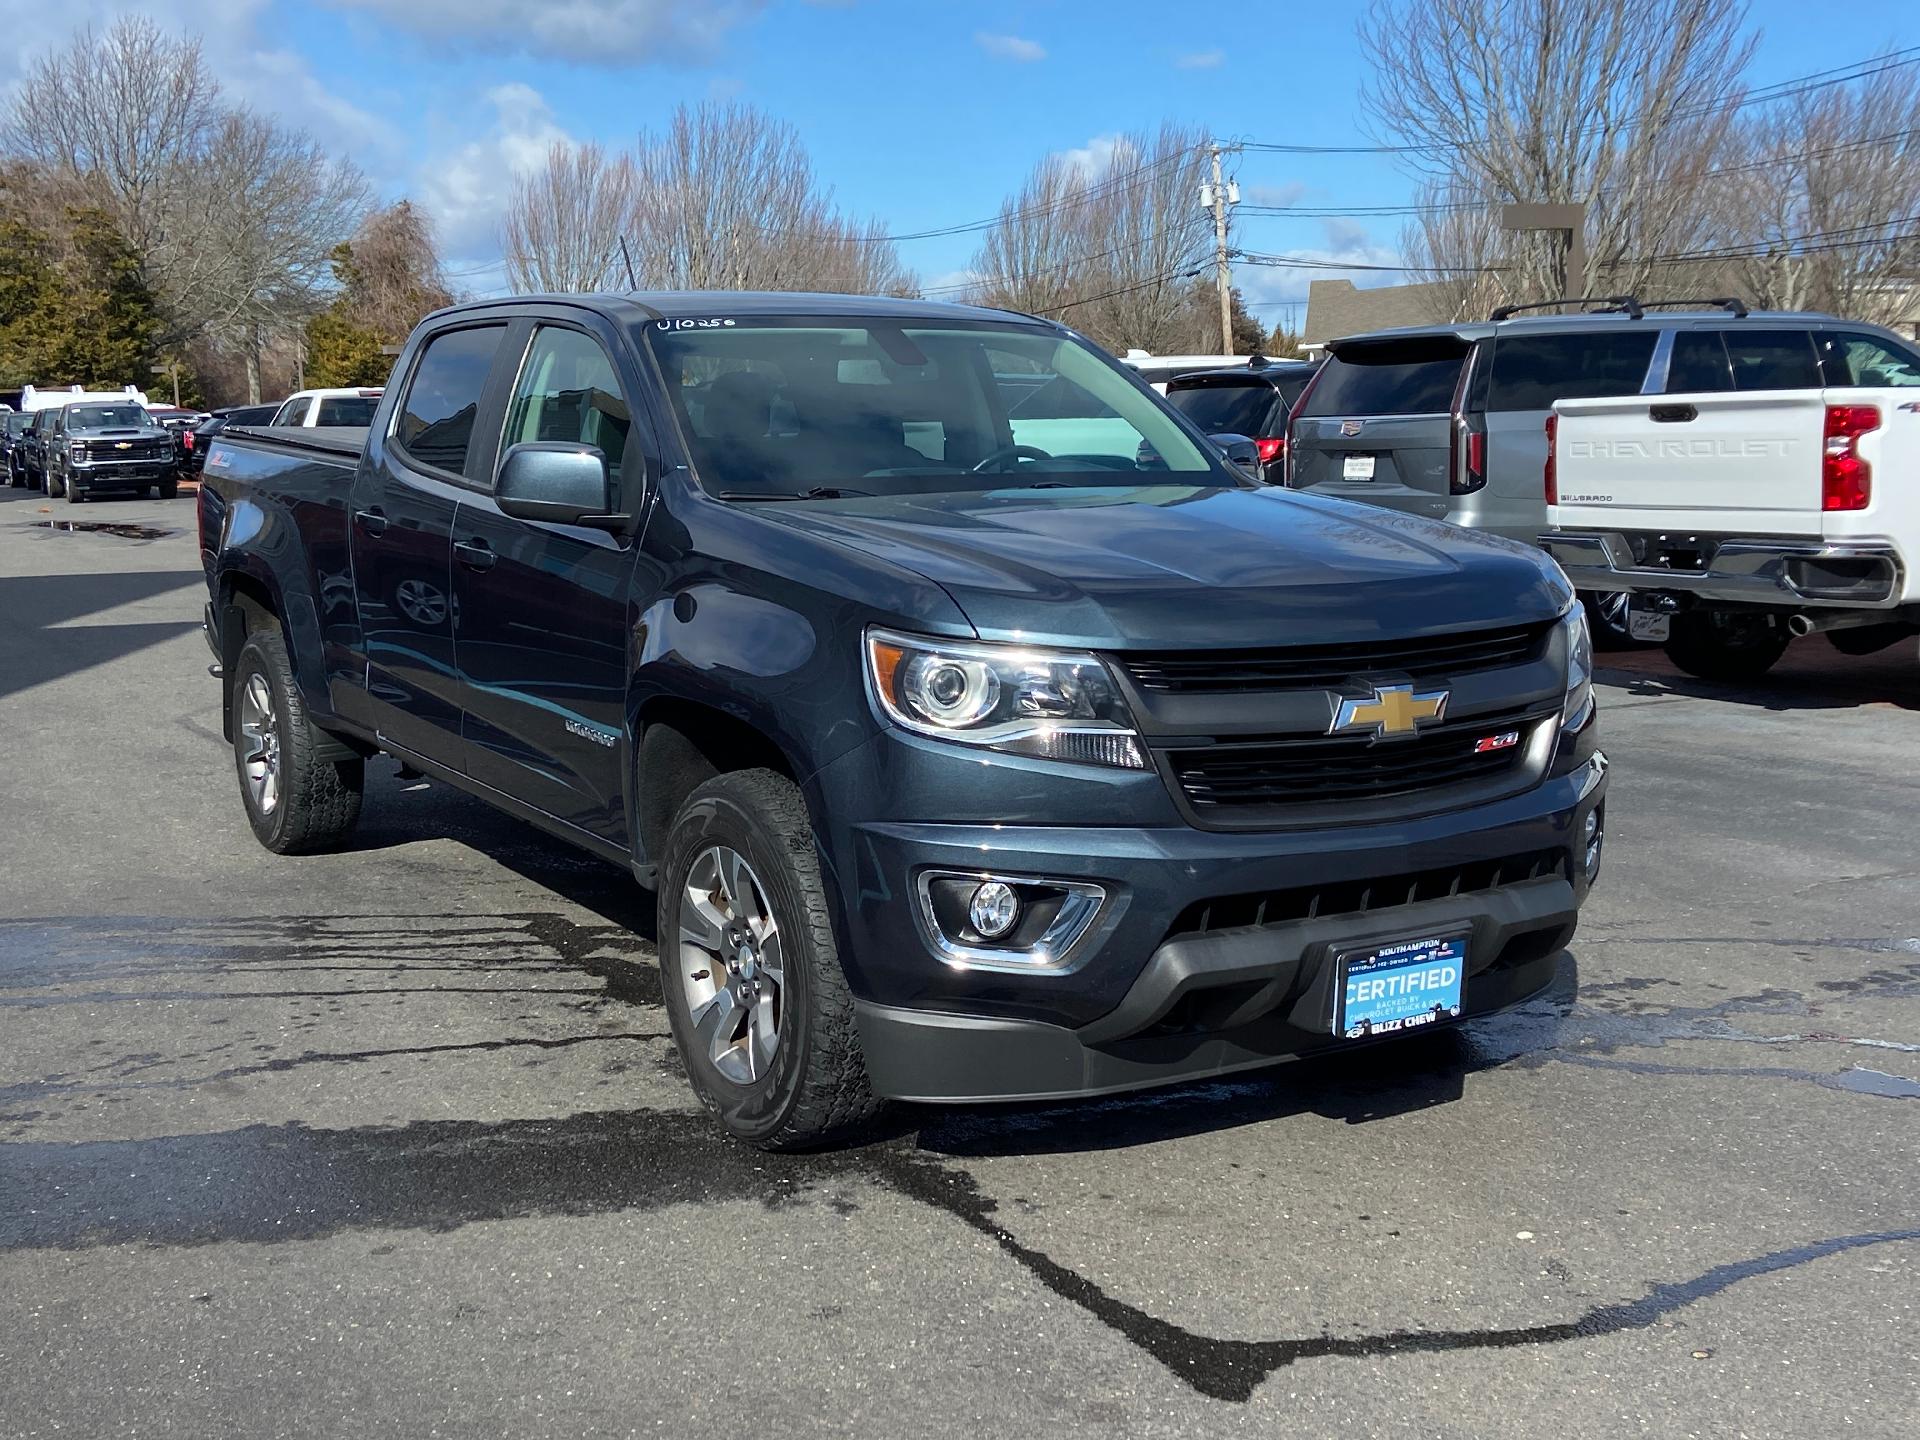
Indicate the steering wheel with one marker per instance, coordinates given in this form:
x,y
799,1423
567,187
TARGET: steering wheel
x,y
1009,452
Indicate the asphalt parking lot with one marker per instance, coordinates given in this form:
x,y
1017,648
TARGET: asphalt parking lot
x,y
394,1141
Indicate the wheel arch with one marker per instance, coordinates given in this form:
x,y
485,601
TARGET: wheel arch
x,y
679,745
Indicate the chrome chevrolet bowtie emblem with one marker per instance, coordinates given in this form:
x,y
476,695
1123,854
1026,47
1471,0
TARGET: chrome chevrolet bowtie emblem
x,y
1389,710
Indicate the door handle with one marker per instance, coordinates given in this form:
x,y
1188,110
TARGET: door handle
x,y
371,521
1672,414
475,554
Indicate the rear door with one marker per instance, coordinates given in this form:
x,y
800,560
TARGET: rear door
x,y
541,610
404,499
1378,423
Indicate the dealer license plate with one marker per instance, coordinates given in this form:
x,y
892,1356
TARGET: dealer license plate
x,y
1357,467
1648,624
1402,986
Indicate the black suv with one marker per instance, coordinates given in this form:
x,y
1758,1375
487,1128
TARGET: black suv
x,y
1254,400
13,430
109,445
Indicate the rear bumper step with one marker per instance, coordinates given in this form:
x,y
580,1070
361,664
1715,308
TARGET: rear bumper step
x,y
1751,572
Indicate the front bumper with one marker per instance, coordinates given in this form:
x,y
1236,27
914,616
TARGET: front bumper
x,y
1182,975
1740,571
118,474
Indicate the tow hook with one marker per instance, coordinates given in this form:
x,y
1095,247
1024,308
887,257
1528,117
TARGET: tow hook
x,y
217,670
1658,602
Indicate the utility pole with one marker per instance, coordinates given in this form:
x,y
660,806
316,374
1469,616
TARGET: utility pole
x,y
1217,197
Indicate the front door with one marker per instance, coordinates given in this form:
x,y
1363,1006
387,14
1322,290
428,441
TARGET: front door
x,y
403,508
542,610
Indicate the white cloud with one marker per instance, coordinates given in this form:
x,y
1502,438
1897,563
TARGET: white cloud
x,y
1099,155
1010,47
466,192
1201,60
590,32
1343,243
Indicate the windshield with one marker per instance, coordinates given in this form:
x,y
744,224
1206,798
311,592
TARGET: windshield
x,y
17,423
104,417
1244,407
777,410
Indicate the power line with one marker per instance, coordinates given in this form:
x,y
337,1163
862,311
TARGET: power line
x,y
1146,284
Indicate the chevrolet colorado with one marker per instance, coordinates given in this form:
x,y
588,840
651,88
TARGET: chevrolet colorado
x,y
962,769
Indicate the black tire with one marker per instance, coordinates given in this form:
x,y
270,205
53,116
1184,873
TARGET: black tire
x,y
53,491
74,497
815,1089
169,489
318,799
1726,647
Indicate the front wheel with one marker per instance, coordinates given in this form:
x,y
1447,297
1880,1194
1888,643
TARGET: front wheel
x,y
169,489
298,801
74,494
1726,646
754,990
54,487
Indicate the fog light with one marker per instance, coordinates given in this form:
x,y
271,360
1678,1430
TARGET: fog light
x,y
993,909
1594,836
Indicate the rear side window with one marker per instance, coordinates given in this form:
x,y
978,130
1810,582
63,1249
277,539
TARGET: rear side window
x,y
1247,408
435,423
346,410
1399,377
294,412
1773,359
1698,363
1867,361
1530,372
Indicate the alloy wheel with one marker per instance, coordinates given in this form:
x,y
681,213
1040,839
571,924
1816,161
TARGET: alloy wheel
x,y
731,968
260,732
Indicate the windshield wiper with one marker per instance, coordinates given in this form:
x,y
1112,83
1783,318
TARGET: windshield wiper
x,y
818,492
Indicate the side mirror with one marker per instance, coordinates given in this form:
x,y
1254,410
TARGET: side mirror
x,y
558,482
1240,452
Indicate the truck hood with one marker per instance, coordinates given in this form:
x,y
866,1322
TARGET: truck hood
x,y
1176,566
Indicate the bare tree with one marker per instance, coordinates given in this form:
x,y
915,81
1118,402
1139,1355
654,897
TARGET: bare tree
x,y
284,205
1623,106
132,110
565,220
1111,251
726,199
1821,207
393,274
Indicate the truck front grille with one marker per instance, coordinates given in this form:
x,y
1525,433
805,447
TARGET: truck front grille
x,y
1306,667
1355,897
136,450
1284,773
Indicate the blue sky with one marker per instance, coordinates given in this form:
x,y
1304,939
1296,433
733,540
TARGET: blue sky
x,y
919,112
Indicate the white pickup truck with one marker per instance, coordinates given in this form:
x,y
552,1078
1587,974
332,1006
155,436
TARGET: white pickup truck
x,y
1737,521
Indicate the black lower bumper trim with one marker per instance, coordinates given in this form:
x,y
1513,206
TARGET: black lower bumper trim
x,y
1268,991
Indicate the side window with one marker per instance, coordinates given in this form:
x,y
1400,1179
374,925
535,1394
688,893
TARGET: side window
x,y
567,391
1773,359
1867,361
1699,363
435,421
1530,372
294,412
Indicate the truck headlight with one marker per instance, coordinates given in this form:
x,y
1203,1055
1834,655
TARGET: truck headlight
x,y
1579,706
1052,704
77,451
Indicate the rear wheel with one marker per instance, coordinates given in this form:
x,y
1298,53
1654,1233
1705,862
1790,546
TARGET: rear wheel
x,y
754,989
1726,645
298,800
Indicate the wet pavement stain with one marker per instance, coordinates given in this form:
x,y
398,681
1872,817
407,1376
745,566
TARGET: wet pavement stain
x,y
438,1176
120,529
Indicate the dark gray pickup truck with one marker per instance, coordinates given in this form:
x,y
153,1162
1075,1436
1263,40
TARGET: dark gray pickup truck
x,y
983,735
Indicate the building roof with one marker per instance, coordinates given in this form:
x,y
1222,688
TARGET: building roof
x,y
1339,307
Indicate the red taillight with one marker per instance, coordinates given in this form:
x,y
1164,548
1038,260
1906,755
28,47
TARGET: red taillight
x,y
186,439
1271,448
1846,481
1552,481
1476,455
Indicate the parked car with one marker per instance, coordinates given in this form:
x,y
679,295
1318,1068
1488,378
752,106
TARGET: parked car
x,y
13,429
1157,370
194,441
33,445
961,770
1254,400
1448,421
1768,492
328,407
95,447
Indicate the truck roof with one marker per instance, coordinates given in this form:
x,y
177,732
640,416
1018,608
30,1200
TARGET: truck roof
x,y
757,304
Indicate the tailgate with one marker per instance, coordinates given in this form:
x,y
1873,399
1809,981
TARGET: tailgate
x,y
1715,463
1400,461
